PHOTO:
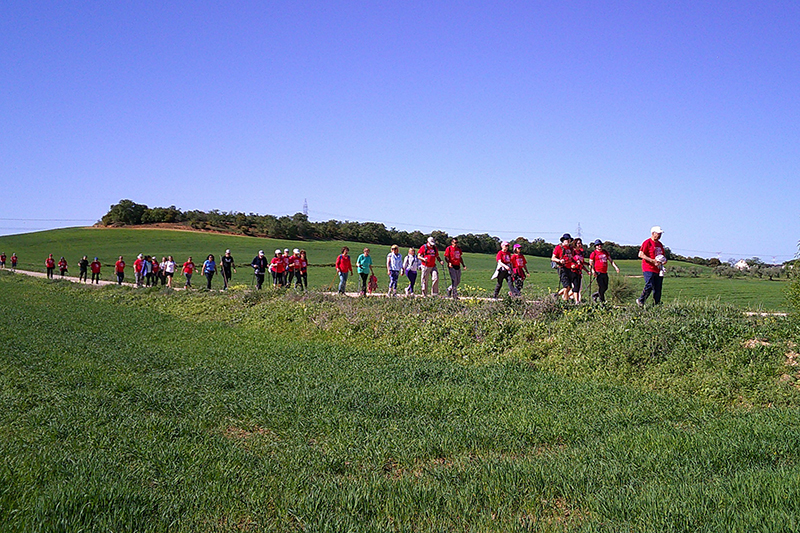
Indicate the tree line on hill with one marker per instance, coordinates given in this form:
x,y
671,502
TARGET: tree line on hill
x,y
298,227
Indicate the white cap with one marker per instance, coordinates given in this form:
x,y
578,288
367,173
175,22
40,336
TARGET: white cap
x,y
656,229
285,249
261,252
296,251
431,240
278,251
140,256
227,251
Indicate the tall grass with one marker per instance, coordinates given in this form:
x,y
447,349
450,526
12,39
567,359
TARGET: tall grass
x,y
124,410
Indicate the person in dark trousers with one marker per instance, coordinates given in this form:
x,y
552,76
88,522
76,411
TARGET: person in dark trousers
x,y
260,265
95,266
119,270
50,265
62,266
653,258
562,257
228,268
303,270
598,263
83,269
504,271
209,269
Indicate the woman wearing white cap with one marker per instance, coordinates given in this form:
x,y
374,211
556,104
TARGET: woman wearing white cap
x,y
653,258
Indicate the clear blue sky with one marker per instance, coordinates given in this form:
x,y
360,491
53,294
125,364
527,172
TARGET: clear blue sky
x,y
512,118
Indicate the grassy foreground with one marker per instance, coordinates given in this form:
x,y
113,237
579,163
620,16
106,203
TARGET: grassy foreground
x,y
109,243
125,410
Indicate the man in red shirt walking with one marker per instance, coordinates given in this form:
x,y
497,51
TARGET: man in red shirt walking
x,y
429,255
455,261
653,258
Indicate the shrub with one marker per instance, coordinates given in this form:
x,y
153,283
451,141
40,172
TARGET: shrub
x,y
620,290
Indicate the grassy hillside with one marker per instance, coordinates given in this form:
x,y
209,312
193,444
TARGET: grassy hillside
x,y
143,410
109,243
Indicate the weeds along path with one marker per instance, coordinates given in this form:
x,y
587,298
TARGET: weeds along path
x,y
126,410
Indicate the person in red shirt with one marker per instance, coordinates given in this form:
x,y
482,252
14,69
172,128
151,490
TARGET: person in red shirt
x,y
278,268
119,270
520,267
188,270
62,266
50,265
578,266
653,256
138,267
429,255
95,266
303,270
294,269
504,271
2,260
598,263
157,274
454,257
13,261
344,267
562,257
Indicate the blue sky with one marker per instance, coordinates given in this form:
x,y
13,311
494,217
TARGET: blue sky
x,y
512,118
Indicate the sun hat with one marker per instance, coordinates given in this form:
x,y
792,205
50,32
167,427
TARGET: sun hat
x,y
656,229
598,242
504,243
517,245
431,240
566,237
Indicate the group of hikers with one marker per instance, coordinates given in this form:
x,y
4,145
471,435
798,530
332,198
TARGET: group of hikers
x,y
3,258
424,263
569,257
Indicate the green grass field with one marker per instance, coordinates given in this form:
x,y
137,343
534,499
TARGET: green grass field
x,y
152,410
109,243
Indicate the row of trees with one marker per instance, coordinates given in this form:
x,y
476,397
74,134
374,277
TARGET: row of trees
x,y
298,227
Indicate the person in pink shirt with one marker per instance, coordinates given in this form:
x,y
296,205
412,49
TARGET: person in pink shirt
x,y
344,267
